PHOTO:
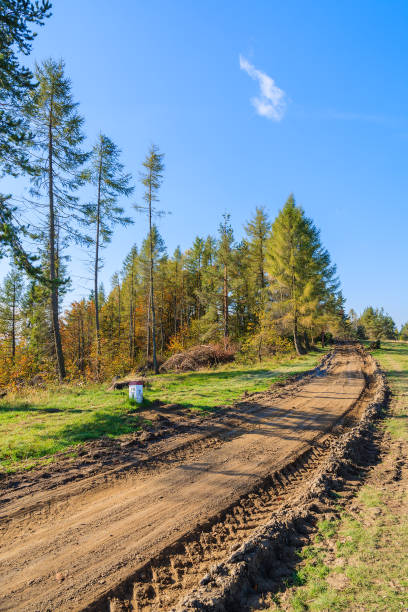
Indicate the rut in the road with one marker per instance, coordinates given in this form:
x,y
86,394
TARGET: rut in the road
x,y
162,582
165,580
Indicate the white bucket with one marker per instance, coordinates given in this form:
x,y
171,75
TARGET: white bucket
x,y
136,391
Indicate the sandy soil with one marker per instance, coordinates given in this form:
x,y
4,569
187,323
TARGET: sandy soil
x,y
66,542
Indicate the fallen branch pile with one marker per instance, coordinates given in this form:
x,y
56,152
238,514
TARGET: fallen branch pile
x,y
196,357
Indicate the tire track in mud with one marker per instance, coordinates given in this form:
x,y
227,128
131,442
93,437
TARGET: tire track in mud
x,y
166,580
258,566
161,583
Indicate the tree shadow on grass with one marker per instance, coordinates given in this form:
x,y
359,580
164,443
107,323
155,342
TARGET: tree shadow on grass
x,y
216,376
99,424
397,373
401,350
7,406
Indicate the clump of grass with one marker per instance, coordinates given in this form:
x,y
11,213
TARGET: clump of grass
x,y
327,528
370,497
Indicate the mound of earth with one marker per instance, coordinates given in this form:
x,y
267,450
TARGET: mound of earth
x,y
196,357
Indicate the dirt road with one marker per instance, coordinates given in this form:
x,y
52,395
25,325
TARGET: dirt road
x,y
72,546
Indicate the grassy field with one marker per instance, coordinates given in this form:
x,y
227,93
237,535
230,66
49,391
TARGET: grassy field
x,y
38,423
360,561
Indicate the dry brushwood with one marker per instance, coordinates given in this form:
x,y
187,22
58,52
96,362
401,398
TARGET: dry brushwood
x,y
196,357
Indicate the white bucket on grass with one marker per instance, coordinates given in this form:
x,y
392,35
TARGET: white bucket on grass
x,y
136,390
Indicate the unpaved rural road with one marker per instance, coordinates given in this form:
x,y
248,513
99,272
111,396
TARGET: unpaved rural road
x,y
68,546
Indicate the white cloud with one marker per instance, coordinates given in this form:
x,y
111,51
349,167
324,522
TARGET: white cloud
x,y
271,102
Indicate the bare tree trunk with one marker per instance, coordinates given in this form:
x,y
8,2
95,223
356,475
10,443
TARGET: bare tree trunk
x,y
148,329
225,301
131,320
119,316
161,319
199,287
175,295
82,335
261,266
295,336
155,368
53,278
98,221
13,325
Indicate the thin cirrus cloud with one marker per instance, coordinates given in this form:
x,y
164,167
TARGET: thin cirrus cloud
x,y
271,102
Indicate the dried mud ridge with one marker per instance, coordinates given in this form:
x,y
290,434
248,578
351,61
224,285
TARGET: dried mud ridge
x,y
206,516
258,564
225,564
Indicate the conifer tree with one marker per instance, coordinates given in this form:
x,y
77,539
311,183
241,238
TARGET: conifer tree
x,y
152,179
175,268
58,136
37,326
17,18
224,255
377,324
404,332
131,282
302,276
257,230
153,248
11,294
244,287
107,176
194,265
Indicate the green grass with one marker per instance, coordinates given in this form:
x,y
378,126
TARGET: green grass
x,y
360,561
369,570
36,424
39,423
208,389
393,358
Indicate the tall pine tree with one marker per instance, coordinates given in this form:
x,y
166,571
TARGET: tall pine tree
x,y
58,137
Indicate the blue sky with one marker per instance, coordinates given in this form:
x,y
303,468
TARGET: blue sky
x,y
330,124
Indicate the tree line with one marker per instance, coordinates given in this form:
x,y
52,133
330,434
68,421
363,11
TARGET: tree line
x,y
375,324
274,290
